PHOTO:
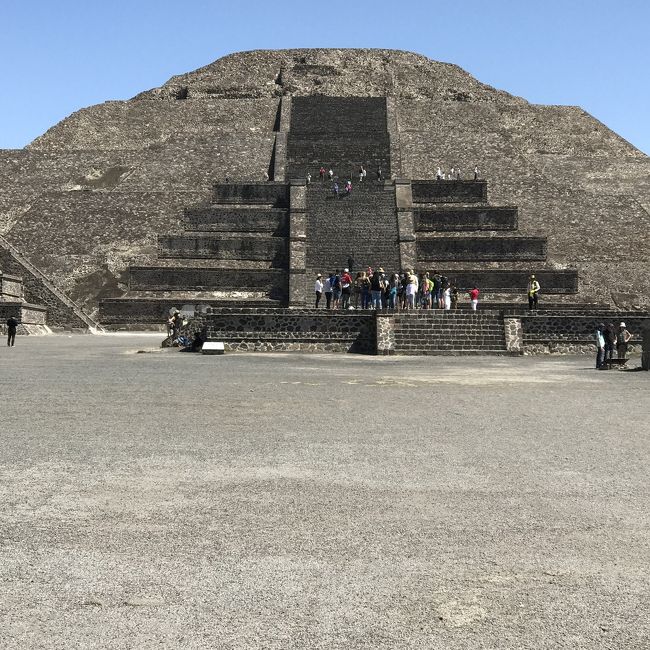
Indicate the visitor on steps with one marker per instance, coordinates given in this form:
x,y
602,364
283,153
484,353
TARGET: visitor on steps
x,y
475,172
610,341
458,175
446,296
411,289
437,289
328,288
439,174
362,174
308,178
348,187
376,288
622,339
600,346
336,291
321,173
380,175
318,288
266,177
335,189
364,283
12,326
330,173
473,297
533,292
454,297
346,289
452,174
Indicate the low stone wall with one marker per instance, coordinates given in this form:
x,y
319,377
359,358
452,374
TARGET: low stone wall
x,y
275,194
449,191
645,357
484,249
291,330
11,286
465,218
272,249
220,218
25,313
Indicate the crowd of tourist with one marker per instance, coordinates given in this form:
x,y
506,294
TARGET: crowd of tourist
x,y
376,289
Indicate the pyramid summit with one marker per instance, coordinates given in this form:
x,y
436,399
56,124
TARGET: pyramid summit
x,y
174,179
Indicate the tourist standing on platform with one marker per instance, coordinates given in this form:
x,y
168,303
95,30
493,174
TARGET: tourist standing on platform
x,y
426,287
318,288
473,296
346,289
356,289
533,292
321,173
365,291
437,289
329,290
411,289
458,174
452,173
377,287
393,288
446,296
12,326
439,174
622,339
454,297
610,341
600,346
336,291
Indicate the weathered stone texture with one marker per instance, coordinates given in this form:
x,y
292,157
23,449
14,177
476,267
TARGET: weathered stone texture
x,y
575,181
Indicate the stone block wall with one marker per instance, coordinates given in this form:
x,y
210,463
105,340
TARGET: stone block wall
x,y
511,281
480,249
449,191
219,218
187,246
465,218
274,194
11,286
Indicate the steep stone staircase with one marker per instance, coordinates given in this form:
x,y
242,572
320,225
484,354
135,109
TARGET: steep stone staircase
x,y
361,226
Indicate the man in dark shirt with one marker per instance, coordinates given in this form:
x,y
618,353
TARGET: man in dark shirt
x,y
12,325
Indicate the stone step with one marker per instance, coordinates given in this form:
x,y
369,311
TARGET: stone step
x,y
158,278
485,249
271,194
235,219
226,247
465,218
321,114
432,191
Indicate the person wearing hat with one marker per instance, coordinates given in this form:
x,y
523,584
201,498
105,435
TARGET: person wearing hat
x,y
533,292
318,288
622,339
377,288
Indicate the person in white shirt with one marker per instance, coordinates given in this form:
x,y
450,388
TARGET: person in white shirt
x,y
318,288
439,174
411,290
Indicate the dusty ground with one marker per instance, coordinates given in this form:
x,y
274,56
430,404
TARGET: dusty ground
x,y
319,501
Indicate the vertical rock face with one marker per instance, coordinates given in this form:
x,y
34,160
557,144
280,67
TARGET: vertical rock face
x,y
89,197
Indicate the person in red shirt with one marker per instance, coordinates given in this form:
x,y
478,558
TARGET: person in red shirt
x,y
473,296
346,289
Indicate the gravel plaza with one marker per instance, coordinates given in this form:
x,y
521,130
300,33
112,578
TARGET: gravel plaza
x,y
151,498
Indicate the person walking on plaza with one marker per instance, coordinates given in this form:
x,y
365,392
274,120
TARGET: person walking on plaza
x,y
622,339
600,346
533,292
473,296
12,326
318,288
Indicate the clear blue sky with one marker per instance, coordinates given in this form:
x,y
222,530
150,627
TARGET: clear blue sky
x,y
57,56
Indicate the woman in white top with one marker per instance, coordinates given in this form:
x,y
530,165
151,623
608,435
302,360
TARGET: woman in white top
x,y
446,294
411,290
318,287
